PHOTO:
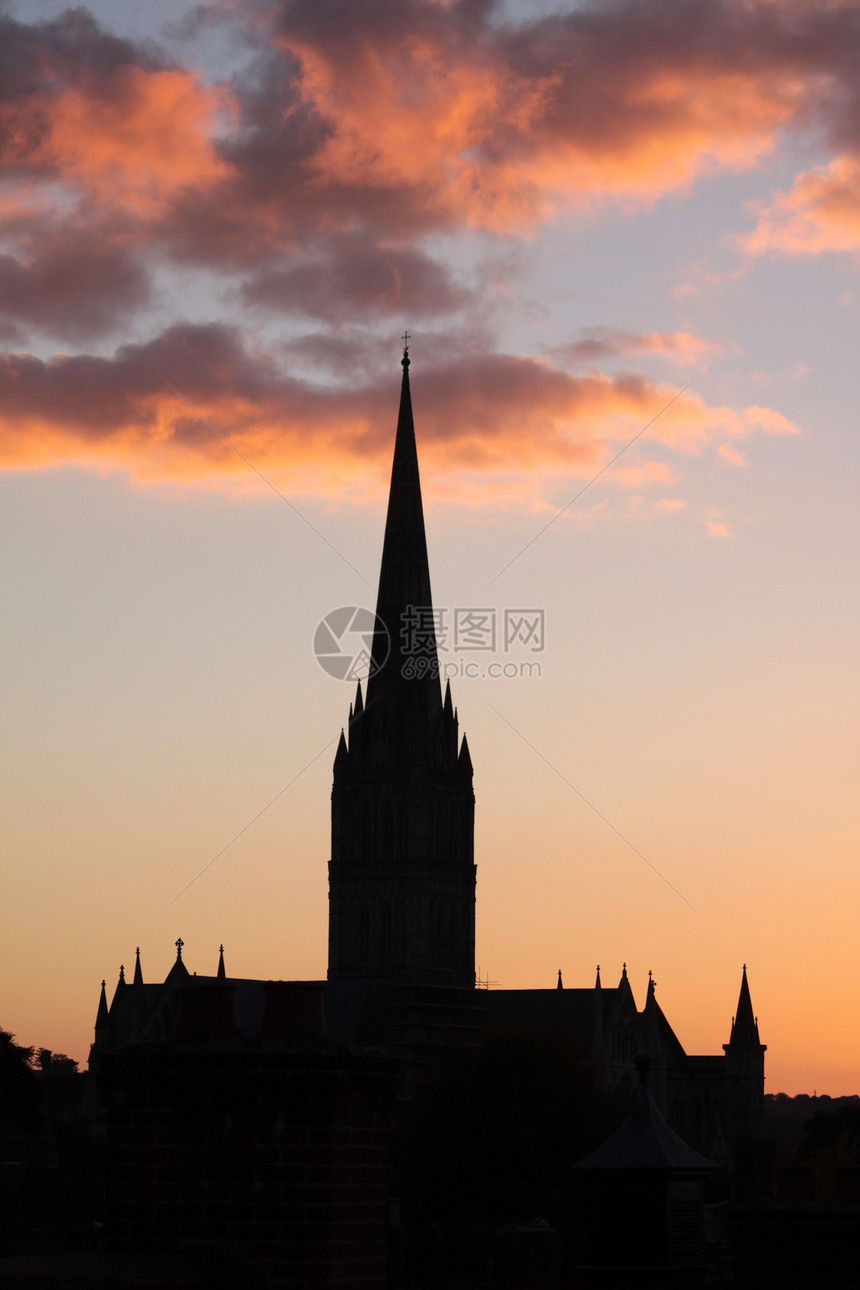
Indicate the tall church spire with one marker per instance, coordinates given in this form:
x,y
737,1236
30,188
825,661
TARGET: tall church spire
x,y
404,677
402,872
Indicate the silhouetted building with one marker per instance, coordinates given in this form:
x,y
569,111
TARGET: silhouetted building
x,y
273,1150
642,1195
401,973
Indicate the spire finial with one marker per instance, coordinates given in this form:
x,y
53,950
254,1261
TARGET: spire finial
x,y
179,943
405,360
560,986
222,974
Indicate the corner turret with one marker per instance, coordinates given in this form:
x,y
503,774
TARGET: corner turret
x,y
745,1061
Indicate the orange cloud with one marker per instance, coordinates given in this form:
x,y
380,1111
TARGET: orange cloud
x,y
516,418
732,455
399,120
820,213
516,119
647,472
142,137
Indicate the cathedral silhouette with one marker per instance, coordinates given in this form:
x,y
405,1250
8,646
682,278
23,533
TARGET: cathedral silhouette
x,y
401,982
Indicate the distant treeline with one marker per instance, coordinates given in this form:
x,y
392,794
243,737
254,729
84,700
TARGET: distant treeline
x,y
820,1131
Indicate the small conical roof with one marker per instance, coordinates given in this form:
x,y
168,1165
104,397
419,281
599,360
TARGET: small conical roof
x,y
102,1016
645,1141
744,1027
138,974
341,755
179,971
120,985
221,974
624,987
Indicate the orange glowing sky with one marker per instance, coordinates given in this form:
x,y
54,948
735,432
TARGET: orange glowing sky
x,y
596,220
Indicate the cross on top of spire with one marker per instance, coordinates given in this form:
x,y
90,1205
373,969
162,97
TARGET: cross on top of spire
x,y
179,945
405,360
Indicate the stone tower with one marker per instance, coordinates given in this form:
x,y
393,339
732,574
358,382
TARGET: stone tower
x,y
402,871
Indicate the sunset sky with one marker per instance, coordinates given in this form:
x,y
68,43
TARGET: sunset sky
x,y
595,220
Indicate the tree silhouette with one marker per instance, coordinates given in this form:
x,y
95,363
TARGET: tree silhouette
x,y
20,1096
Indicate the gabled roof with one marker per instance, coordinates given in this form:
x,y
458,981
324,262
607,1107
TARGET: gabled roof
x,y
570,1009
661,1038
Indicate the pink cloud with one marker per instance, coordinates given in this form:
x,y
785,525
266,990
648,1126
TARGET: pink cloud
x,y
108,117
353,276
821,212
513,416
355,130
72,280
598,344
